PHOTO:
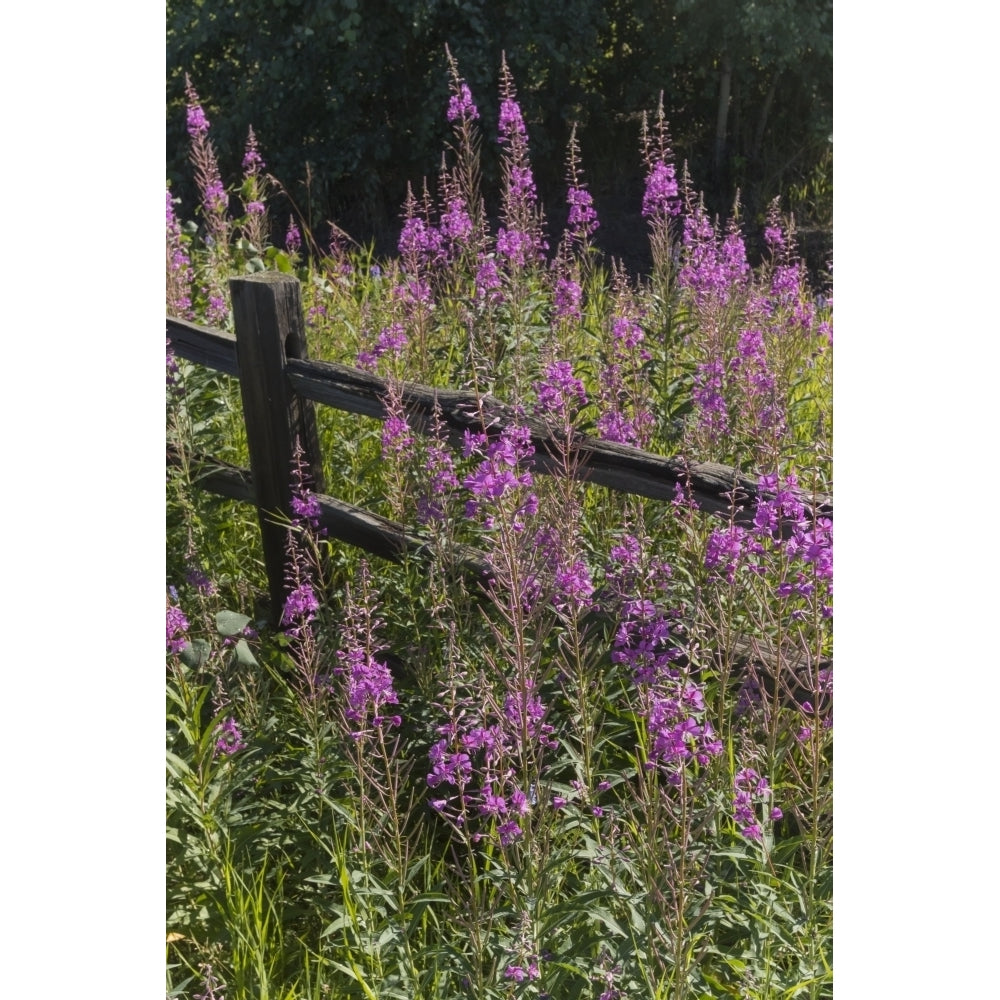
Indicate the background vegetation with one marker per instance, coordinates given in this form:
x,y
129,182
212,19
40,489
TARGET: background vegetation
x,y
347,97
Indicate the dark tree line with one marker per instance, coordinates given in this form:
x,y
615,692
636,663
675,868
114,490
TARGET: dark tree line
x,y
352,94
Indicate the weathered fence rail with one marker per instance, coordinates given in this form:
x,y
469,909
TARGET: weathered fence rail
x,y
279,384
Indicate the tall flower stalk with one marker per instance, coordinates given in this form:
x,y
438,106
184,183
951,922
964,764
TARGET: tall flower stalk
x,y
214,207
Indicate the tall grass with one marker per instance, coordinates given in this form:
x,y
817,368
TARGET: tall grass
x,y
605,769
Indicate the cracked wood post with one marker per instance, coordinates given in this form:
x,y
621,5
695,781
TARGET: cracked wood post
x,y
270,329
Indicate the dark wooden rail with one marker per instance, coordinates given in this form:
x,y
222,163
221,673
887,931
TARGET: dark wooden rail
x,y
279,384
378,535
713,487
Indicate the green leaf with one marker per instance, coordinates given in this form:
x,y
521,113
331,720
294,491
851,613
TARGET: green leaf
x,y
243,655
195,653
231,622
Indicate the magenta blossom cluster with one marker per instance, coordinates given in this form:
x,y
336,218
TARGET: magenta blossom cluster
x,y
461,107
368,684
643,638
306,510
709,399
179,273
713,267
174,387
679,732
574,588
439,480
209,179
511,123
301,606
500,474
617,378
201,581
567,300
293,238
456,224
253,162
560,393
392,340
230,739
474,769
197,123
520,973
582,215
177,626
661,198
519,239
750,788
781,525
420,241
488,283
301,603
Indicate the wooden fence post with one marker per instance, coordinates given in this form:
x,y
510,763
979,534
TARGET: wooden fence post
x,y
267,313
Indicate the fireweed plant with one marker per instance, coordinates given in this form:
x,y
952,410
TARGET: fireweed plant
x,y
598,764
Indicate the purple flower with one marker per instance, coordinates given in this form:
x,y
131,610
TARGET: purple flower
x,y
496,475
201,581
230,739
396,436
642,641
456,226
749,789
368,678
419,240
450,768
178,266
439,478
724,549
217,309
618,377
177,625
574,588
461,107
488,280
492,804
522,183
511,123
369,683
391,340
197,123
710,403
253,162
568,299
301,605
582,216
509,832
515,246
215,197
293,238
306,509
560,394
660,199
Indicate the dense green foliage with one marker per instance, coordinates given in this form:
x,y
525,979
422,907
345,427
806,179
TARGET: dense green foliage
x,y
348,95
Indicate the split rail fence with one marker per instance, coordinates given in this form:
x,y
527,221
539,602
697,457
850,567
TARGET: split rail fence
x,y
279,385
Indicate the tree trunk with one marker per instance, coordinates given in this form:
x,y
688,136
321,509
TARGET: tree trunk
x,y
758,139
725,83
